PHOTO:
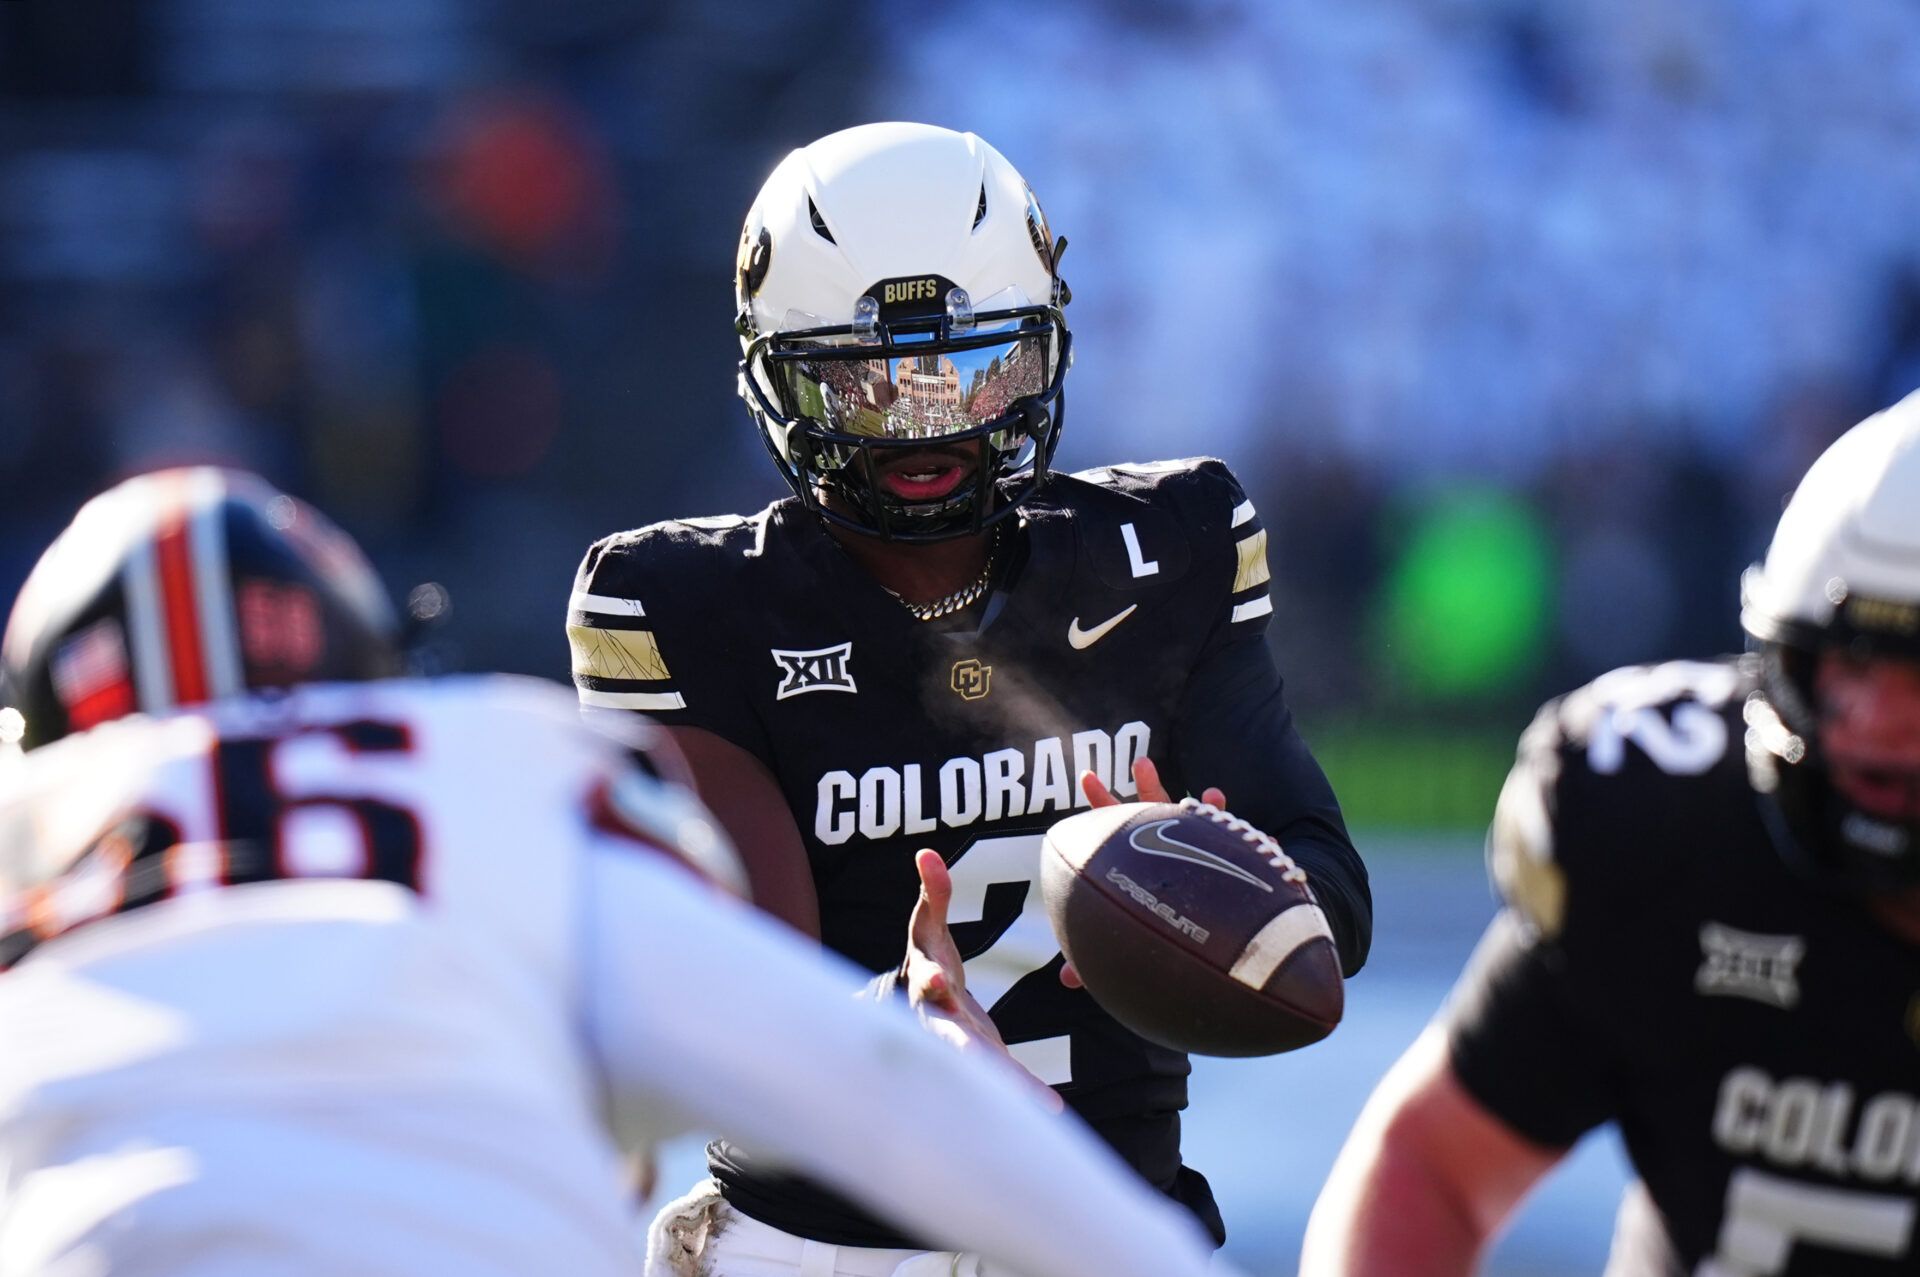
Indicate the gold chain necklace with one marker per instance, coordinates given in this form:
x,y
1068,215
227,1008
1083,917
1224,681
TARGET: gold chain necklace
x,y
964,597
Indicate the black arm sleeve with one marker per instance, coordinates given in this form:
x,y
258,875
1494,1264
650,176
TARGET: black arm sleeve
x,y
1236,732
1516,1045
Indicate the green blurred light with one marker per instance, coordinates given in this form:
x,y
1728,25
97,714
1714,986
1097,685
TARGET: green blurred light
x,y
1396,776
1465,609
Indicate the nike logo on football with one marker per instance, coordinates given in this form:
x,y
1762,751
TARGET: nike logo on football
x,y
1152,840
1087,638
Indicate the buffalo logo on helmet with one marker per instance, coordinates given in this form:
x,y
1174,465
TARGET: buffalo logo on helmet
x,y
750,270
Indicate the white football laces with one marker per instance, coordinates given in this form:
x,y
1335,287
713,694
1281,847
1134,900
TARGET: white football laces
x,y
1266,844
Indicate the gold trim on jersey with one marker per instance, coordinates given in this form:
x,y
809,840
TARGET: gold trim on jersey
x,y
1253,562
1520,853
971,679
599,653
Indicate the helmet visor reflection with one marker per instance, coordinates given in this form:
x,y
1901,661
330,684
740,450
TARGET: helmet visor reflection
x,y
928,395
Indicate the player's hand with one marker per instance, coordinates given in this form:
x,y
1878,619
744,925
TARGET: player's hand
x,y
936,979
1146,779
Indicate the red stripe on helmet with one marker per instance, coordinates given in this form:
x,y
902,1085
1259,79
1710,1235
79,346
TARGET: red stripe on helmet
x,y
175,559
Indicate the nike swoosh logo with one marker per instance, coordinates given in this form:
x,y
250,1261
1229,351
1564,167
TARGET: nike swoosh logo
x,y
1082,639
1152,840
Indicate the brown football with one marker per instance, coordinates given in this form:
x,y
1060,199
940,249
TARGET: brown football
x,y
1192,929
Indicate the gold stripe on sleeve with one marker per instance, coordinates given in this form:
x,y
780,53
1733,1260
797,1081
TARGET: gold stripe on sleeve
x,y
1253,562
601,653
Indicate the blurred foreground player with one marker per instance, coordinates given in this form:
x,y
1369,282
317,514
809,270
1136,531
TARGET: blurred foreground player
x,y
304,977
1712,938
933,641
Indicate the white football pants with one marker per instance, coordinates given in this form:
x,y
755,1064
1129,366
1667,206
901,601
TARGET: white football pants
x,y
699,1235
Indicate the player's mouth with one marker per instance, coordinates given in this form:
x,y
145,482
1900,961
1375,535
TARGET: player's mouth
x,y
1889,792
926,475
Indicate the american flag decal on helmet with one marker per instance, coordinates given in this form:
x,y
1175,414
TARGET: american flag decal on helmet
x,y
91,675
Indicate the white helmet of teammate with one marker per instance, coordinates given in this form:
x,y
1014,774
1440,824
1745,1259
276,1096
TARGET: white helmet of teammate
x,y
896,284
1843,571
1849,539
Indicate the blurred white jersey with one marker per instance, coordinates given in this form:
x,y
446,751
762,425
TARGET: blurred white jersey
x,y
357,980
371,1074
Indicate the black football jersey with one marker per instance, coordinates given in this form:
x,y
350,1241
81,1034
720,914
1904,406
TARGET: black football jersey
x,y
1126,621
1756,1037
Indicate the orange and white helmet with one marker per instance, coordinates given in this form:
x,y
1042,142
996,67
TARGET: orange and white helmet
x,y
184,586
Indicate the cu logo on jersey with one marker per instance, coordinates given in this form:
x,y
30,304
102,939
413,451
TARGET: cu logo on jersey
x,y
823,669
971,679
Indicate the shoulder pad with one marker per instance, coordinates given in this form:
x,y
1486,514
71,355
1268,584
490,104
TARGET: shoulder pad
x,y
1219,523
715,522
626,583
1646,726
1146,479
56,800
1207,516
1520,842
1669,717
627,565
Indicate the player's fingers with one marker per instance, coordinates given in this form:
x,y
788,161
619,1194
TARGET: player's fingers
x,y
928,975
927,935
927,982
1215,797
936,882
1098,795
1071,977
1146,778
928,926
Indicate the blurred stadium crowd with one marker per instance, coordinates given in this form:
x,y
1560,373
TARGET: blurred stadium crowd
x,y
1517,318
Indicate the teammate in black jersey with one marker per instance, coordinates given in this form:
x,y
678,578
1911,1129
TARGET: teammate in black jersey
x,y
935,639
1712,938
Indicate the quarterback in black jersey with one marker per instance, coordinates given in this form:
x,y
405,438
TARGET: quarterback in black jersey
x,y
1712,939
938,643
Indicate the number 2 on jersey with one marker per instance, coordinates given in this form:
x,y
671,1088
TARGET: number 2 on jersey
x,y
1000,922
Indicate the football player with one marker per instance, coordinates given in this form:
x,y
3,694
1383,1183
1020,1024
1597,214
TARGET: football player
x,y
1712,939
939,643
306,970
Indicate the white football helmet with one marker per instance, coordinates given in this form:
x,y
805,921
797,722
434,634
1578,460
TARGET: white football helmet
x,y
1843,572
897,283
